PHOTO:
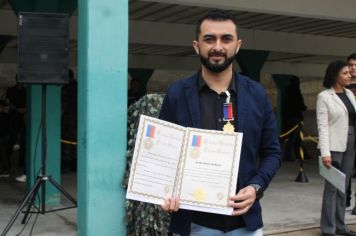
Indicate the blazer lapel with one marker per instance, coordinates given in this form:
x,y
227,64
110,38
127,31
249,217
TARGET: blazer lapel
x,y
351,97
192,95
337,99
242,103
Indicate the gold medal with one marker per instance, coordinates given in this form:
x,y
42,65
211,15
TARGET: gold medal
x,y
228,128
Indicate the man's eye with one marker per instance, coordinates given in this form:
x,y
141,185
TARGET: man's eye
x,y
227,39
209,40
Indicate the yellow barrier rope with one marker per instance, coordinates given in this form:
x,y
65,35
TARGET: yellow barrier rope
x,y
68,142
314,139
289,131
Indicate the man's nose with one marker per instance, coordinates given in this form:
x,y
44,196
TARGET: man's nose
x,y
218,45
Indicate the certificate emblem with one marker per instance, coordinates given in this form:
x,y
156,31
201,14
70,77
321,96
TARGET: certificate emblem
x,y
148,143
150,135
220,196
194,153
196,144
199,194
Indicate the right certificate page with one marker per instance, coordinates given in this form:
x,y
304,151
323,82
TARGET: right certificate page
x,y
208,170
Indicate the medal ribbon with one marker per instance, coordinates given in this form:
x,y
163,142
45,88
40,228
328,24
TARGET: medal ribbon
x,y
228,110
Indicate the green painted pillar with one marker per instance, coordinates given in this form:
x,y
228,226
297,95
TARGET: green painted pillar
x,y
251,62
102,115
34,132
282,81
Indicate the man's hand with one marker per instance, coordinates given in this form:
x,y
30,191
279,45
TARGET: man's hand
x,y
327,161
243,200
171,204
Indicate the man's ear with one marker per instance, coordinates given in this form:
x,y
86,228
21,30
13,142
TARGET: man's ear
x,y
196,47
239,43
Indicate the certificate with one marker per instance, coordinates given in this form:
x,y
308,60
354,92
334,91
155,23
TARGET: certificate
x,y
333,175
200,166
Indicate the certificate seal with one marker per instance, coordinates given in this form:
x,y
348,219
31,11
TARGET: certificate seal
x,y
199,194
220,196
194,153
148,144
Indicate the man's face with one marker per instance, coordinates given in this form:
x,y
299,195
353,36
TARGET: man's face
x,y
352,68
217,44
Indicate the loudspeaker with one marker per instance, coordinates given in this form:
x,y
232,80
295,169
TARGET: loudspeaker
x,y
43,45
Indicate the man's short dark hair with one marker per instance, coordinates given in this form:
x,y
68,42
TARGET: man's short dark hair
x,y
332,72
216,15
351,57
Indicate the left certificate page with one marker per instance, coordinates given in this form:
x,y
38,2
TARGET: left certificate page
x,y
155,160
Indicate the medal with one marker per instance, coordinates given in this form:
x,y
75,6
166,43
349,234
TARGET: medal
x,y
229,128
228,114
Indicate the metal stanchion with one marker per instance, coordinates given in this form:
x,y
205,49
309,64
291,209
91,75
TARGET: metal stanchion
x,y
301,177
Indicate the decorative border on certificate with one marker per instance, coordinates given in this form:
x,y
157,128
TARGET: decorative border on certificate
x,y
146,139
192,142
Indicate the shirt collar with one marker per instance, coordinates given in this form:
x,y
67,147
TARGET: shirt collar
x,y
232,87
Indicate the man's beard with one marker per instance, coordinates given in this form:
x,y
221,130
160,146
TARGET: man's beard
x,y
216,68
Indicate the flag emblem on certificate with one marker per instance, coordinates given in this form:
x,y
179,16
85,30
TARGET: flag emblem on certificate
x,y
150,131
196,144
196,141
150,134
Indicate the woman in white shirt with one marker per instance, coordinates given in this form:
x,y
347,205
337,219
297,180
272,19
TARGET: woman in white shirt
x,y
336,109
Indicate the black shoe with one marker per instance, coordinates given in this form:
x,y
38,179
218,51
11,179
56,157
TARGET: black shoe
x,y
353,212
324,234
347,233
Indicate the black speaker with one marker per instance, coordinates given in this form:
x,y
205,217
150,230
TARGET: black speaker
x,y
43,45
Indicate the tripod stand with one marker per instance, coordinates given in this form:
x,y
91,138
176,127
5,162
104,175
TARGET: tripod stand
x,y
41,180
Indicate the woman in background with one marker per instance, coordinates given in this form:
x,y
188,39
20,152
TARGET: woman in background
x,y
336,110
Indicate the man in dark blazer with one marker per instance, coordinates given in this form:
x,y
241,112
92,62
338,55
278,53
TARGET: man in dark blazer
x,y
200,102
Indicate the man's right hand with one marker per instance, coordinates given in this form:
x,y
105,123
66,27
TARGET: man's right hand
x,y
171,204
327,161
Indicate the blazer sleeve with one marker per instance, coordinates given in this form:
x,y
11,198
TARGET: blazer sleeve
x,y
167,112
269,148
323,125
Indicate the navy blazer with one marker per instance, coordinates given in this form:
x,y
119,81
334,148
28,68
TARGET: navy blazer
x,y
255,119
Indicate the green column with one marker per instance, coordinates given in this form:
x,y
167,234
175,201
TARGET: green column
x,y
281,81
102,116
34,150
251,62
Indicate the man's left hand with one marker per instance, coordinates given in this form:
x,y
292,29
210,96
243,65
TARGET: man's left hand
x,y
243,200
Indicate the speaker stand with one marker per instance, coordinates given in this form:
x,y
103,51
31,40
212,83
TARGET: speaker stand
x,y
40,182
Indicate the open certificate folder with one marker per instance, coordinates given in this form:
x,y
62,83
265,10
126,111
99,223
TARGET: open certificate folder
x,y
200,166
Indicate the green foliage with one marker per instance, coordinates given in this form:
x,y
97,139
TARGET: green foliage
x,y
141,218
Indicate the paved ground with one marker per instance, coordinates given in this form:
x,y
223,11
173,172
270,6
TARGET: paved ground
x,y
289,207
